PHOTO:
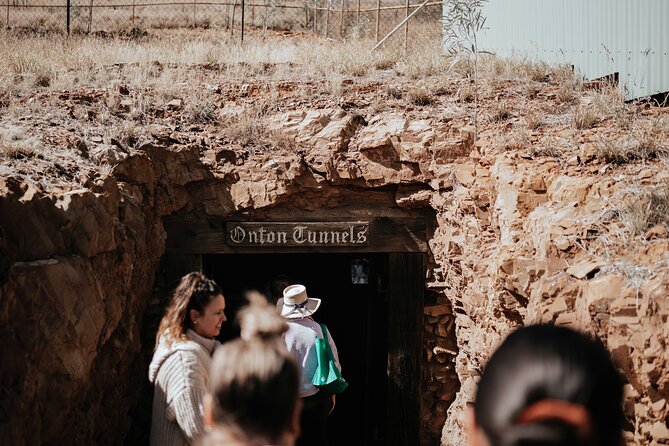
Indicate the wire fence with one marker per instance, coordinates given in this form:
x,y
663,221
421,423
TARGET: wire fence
x,y
337,19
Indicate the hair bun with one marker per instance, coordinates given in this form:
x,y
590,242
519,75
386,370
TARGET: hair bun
x,y
260,321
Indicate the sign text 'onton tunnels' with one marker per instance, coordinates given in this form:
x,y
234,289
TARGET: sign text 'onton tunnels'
x,y
297,234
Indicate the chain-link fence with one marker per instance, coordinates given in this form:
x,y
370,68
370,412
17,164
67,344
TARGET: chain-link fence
x,y
369,19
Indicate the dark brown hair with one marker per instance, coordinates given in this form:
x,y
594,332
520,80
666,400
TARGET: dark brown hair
x,y
194,292
254,380
544,362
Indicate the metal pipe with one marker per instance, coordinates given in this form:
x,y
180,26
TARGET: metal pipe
x,y
400,25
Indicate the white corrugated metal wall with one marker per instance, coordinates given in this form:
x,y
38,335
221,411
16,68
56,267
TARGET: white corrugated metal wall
x,y
599,37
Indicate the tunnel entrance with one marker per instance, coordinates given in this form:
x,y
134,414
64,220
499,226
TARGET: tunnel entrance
x,y
372,280
366,308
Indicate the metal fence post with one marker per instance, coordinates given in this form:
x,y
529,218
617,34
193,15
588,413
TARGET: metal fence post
x,y
314,18
327,17
406,29
341,19
194,6
67,18
7,14
243,8
378,18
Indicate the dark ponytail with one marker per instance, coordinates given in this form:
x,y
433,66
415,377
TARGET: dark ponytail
x,y
568,374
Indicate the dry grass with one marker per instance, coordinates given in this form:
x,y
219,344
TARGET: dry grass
x,y
647,141
645,209
533,121
500,112
124,134
200,109
420,96
584,118
651,138
17,151
567,93
616,151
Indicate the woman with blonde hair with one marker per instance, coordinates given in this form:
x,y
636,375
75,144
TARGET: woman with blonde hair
x,y
180,366
253,391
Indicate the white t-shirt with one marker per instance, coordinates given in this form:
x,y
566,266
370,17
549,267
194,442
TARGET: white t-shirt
x,y
300,338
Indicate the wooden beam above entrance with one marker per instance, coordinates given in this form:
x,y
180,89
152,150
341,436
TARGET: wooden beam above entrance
x,y
210,236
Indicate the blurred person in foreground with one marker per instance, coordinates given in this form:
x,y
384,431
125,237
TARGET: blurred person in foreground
x,y
253,393
180,365
548,386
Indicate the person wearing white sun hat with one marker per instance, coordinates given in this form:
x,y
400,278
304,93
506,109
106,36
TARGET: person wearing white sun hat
x,y
298,308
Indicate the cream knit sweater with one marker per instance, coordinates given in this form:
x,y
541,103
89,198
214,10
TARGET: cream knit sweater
x,y
180,373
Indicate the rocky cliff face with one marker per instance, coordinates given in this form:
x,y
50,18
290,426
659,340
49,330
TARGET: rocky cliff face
x,y
524,234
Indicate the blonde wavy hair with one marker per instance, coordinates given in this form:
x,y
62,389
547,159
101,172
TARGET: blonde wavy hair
x,y
254,382
194,292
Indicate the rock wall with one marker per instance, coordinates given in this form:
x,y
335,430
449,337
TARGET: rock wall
x,y
513,244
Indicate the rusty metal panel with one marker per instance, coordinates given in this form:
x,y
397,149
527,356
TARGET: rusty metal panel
x,y
599,37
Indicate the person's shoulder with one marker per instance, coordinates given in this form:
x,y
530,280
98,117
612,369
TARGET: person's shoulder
x,y
306,323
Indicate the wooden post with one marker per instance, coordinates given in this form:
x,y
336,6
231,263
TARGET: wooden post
x,y
133,13
405,344
7,14
194,5
378,17
406,28
341,20
357,14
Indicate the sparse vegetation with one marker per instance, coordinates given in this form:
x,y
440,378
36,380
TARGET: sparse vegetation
x,y
463,21
500,112
615,151
533,121
16,150
420,96
652,139
200,109
584,118
645,209
567,94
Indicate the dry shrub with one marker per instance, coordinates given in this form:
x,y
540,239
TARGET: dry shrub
x,y
17,151
124,134
646,142
652,139
615,151
420,96
533,121
567,93
585,118
465,94
645,209
550,147
537,72
385,62
248,127
501,112
394,93
200,109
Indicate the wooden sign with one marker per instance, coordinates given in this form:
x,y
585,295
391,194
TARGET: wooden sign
x,y
297,234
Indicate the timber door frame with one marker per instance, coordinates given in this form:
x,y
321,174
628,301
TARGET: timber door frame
x,y
404,242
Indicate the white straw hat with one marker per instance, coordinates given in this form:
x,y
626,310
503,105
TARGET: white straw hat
x,y
295,304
